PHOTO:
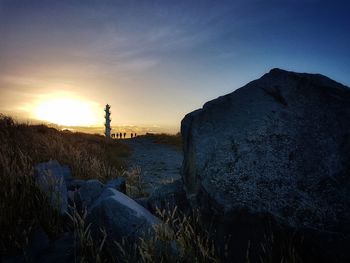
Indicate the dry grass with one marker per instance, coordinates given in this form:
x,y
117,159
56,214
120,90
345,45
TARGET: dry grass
x,y
179,239
87,248
23,146
23,206
89,156
135,185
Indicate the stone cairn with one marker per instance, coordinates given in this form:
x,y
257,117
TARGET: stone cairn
x,y
108,122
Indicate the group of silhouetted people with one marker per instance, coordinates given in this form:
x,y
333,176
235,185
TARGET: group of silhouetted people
x,y
122,135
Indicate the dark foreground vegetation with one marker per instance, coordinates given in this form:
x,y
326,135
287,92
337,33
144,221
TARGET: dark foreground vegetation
x,y
25,208
270,190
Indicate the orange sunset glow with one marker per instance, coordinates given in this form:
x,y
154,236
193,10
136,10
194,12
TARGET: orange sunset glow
x,y
61,62
67,111
146,131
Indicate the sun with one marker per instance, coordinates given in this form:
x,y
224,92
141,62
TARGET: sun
x,y
67,112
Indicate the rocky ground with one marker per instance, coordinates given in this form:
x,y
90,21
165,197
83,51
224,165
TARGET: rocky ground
x,y
106,204
159,163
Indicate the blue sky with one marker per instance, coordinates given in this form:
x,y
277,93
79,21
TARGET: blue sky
x,y
154,61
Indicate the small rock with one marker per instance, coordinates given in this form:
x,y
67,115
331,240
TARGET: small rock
x,y
75,184
121,216
118,184
88,193
51,178
168,197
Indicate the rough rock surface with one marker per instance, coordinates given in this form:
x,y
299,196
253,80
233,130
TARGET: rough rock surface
x,y
75,184
278,146
51,178
118,184
121,216
168,197
88,193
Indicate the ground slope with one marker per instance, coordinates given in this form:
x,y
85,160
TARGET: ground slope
x,y
159,163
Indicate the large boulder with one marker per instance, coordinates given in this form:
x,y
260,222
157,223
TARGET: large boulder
x,y
51,178
168,197
121,217
274,153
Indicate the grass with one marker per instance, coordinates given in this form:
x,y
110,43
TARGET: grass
x,y
89,156
180,238
135,185
86,248
23,146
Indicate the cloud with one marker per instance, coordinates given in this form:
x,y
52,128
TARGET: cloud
x,y
85,38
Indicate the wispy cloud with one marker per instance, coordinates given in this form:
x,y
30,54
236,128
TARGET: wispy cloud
x,y
163,57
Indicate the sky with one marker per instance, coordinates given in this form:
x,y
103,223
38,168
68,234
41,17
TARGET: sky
x,y
155,61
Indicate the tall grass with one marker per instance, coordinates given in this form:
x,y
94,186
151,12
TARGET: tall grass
x,y
135,185
87,248
23,206
179,239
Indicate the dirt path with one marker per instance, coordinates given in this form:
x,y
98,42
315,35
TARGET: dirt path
x,y
159,163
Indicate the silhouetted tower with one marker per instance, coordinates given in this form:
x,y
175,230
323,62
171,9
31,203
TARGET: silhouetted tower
x,y
108,122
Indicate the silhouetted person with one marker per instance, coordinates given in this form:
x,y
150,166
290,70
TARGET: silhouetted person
x,y
124,134
117,135
113,135
132,135
120,135
135,134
